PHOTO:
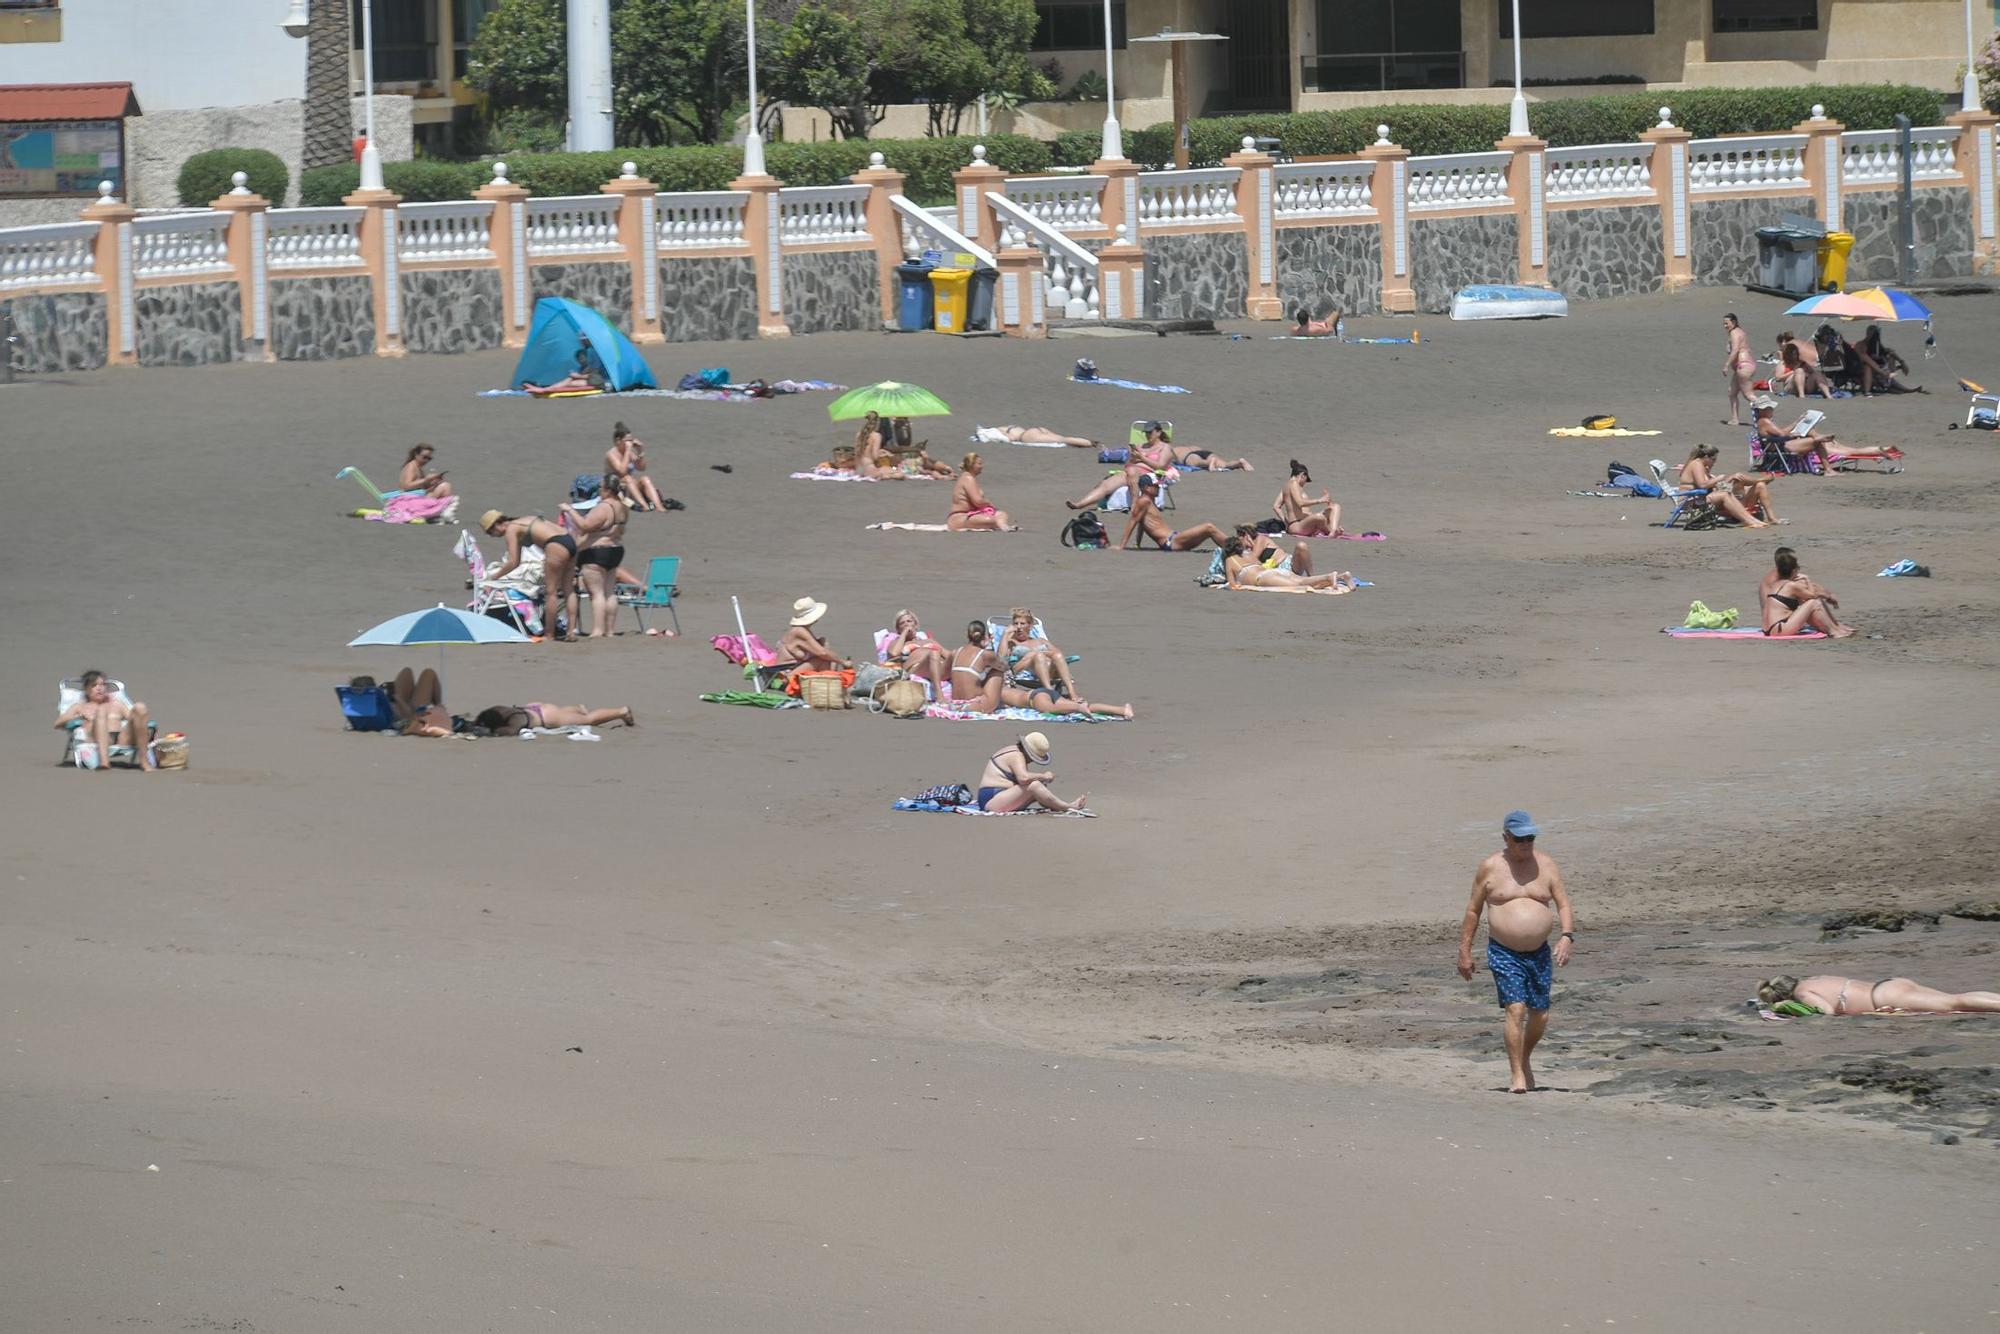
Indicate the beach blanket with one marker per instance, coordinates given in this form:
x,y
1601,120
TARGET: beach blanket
x,y
731,647
578,732
756,699
1007,714
1739,632
1364,342
724,394
414,509
1133,384
933,808
836,475
1596,433
1330,592
926,528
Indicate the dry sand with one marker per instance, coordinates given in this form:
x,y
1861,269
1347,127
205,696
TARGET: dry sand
x,y
1199,1062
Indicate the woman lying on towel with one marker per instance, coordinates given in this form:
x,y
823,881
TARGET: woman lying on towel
x,y
911,457
970,509
918,654
1260,547
1161,453
1737,495
1793,603
508,719
1245,572
1030,435
1304,515
1853,995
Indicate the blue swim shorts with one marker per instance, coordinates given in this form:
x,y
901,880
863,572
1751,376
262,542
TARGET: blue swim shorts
x,y
1521,979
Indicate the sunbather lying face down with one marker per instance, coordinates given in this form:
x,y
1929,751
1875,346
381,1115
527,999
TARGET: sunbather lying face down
x,y
508,719
1831,995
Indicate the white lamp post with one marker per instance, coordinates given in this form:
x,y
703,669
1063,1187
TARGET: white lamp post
x,y
297,24
1969,94
753,142
1517,110
1113,148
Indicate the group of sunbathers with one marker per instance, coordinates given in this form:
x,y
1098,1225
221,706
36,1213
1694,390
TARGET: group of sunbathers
x,y
417,699
1819,365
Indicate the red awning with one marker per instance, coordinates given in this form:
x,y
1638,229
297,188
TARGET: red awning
x,y
67,101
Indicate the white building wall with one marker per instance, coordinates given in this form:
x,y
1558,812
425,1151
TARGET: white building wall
x,y
177,54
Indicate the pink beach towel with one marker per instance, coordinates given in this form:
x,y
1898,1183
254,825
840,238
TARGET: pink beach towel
x,y
1739,632
413,509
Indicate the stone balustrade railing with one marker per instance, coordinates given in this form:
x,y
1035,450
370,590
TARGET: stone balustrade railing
x,y
574,225
180,244
1323,189
1599,171
1459,180
1202,195
700,219
923,229
448,229
823,214
1772,162
313,238
1066,203
1876,156
54,255
1069,272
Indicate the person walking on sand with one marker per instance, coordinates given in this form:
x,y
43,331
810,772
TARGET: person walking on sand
x,y
1515,888
1740,365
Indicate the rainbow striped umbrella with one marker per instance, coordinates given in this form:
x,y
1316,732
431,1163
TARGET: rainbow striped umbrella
x,y
1870,303
1894,305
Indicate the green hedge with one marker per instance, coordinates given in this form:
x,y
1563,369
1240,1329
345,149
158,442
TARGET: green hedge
x,y
206,177
418,182
1564,122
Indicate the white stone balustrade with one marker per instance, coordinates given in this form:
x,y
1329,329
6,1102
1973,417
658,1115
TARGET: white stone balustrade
x,y
1871,156
1599,171
700,219
180,244
1069,272
822,214
45,256
1459,180
574,225
313,238
446,229
1205,194
1774,162
1066,203
1323,189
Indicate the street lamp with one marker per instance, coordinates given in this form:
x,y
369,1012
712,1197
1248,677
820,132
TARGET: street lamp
x,y
371,159
1112,149
753,142
1969,93
1517,111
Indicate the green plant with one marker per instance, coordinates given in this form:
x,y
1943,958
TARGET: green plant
x,y
206,177
524,130
1988,69
417,182
1089,87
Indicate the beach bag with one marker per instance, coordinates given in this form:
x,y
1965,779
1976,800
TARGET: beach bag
x,y
715,377
1085,369
1114,456
1085,532
692,381
823,690
870,675
171,751
901,698
1599,421
945,794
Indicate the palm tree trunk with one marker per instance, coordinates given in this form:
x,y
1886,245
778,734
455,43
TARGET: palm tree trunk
x,y
329,113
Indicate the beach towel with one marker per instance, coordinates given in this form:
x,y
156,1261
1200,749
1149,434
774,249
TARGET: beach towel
x,y
1133,384
578,732
993,435
414,509
1370,536
1740,632
927,528
1364,342
1330,592
933,808
1597,433
730,647
756,699
1006,714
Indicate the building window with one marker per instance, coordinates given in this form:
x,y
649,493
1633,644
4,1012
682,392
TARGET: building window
x,y
1581,18
1076,25
1766,15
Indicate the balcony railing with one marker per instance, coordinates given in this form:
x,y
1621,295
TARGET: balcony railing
x,y
1379,71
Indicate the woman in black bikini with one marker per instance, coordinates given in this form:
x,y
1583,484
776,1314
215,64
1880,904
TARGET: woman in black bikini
x,y
558,562
600,534
508,719
1894,995
1793,603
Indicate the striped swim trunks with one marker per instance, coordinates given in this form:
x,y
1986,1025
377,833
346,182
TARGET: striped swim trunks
x,y
1521,979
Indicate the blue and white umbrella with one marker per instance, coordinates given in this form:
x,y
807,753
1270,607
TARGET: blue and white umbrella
x,y
439,625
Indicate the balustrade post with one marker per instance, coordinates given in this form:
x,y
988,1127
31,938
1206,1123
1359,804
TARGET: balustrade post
x,y
246,243
637,221
763,235
1020,289
1820,159
1121,194
508,229
884,184
1390,191
969,185
1255,201
1976,129
1527,187
1121,279
113,262
1670,192
379,256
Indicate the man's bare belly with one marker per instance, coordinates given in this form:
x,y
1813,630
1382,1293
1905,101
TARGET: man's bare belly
x,y
1520,924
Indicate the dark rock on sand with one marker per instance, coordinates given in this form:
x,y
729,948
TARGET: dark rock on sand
x,y
1988,911
1875,919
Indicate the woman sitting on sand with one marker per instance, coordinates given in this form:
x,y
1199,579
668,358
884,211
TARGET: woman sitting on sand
x,y
1244,572
626,460
416,479
970,510
917,653
1830,995
1737,495
976,673
1029,435
1304,515
1880,365
1793,603
1008,784
508,719
869,458
558,563
1795,374
1028,655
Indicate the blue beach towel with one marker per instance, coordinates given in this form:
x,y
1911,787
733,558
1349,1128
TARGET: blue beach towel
x,y
1132,384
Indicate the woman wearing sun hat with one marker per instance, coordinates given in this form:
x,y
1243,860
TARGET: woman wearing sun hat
x,y
802,648
1008,784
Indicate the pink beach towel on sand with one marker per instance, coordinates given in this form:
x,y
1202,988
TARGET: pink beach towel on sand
x,y
731,647
412,509
1739,632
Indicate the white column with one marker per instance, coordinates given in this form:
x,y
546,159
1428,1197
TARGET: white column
x,y
590,125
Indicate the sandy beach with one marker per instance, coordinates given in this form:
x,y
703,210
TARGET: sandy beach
x,y
686,1029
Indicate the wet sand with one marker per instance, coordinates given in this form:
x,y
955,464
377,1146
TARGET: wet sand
x,y
844,1068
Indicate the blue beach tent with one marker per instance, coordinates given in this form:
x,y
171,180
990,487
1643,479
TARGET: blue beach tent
x,y
562,329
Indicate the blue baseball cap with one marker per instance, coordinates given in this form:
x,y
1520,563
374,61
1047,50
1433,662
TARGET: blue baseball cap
x,y
1520,824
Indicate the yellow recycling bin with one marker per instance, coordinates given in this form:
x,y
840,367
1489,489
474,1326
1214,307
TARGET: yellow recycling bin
x,y
950,287
1833,248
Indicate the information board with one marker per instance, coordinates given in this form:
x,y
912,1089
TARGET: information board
x,y
61,157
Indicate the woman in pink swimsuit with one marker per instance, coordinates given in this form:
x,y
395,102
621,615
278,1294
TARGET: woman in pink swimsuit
x,y
1740,365
970,510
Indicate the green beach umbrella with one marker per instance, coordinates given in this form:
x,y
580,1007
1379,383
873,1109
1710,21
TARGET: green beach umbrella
x,y
891,398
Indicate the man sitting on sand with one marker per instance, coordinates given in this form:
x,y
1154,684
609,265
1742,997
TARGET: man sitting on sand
x,y
1516,887
110,720
804,650
1008,784
1851,995
1306,326
1146,518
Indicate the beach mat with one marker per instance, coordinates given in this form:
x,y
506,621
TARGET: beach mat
x,y
1133,384
1596,432
921,528
933,808
817,476
1737,632
1009,714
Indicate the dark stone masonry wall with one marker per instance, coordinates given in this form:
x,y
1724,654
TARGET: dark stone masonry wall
x,y
1323,268
1722,235
714,297
831,291
605,288
322,319
452,310
1197,276
1943,217
64,331
195,325
1449,253
1595,253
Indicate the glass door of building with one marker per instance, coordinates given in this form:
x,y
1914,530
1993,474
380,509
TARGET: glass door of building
x,y
1377,45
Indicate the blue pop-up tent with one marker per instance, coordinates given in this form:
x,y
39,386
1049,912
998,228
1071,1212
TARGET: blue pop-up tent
x,y
561,330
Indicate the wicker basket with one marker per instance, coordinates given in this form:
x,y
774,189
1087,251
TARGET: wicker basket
x,y
171,752
823,690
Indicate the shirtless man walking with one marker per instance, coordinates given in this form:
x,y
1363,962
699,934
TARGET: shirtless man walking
x,y
1516,887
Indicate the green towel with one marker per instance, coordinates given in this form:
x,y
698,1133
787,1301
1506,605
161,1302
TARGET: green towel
x,y
761,699
1701,618
1794,1009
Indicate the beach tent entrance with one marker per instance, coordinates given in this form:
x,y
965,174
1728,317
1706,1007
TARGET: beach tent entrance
x,y
561,331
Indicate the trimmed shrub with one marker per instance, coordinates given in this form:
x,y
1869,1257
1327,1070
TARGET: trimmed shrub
x,y
418,182
206,177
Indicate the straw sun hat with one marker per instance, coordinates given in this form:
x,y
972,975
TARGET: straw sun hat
x,y
1036,747
488,519
805,611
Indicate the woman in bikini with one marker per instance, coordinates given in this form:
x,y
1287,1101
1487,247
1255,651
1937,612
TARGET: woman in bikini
x,y
1044,699
1008,784
915,462
1260,547
1894,995
1031,435
416,477
1798,371
1736,495
1304,515
976,676
600,536
1161,453
1245,572
626,459
970,510
1793,603
1880,365
1740,365
868,457
558,562
508,719
1028,654
918,654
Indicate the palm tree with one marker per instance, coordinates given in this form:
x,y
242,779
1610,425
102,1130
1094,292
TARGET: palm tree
x,y
329,112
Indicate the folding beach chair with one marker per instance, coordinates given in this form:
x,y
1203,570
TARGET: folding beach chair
x,y
996,626
68,691
658,594
380,498
517,597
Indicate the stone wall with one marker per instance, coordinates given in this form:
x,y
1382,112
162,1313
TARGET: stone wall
x,y
712,298
1321,268
322,319
1722,235
195,325
62,331
830,291
1595,253
1197,276
160,141
1943,217
1449,253
452,310
605,288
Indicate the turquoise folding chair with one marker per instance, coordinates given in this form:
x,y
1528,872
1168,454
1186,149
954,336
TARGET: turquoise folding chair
x,y
658,595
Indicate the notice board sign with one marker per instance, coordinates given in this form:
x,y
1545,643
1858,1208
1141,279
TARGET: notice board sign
x,y
61,157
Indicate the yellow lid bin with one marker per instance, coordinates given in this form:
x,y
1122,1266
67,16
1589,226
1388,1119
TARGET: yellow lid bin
x,y
950,287
1833,248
